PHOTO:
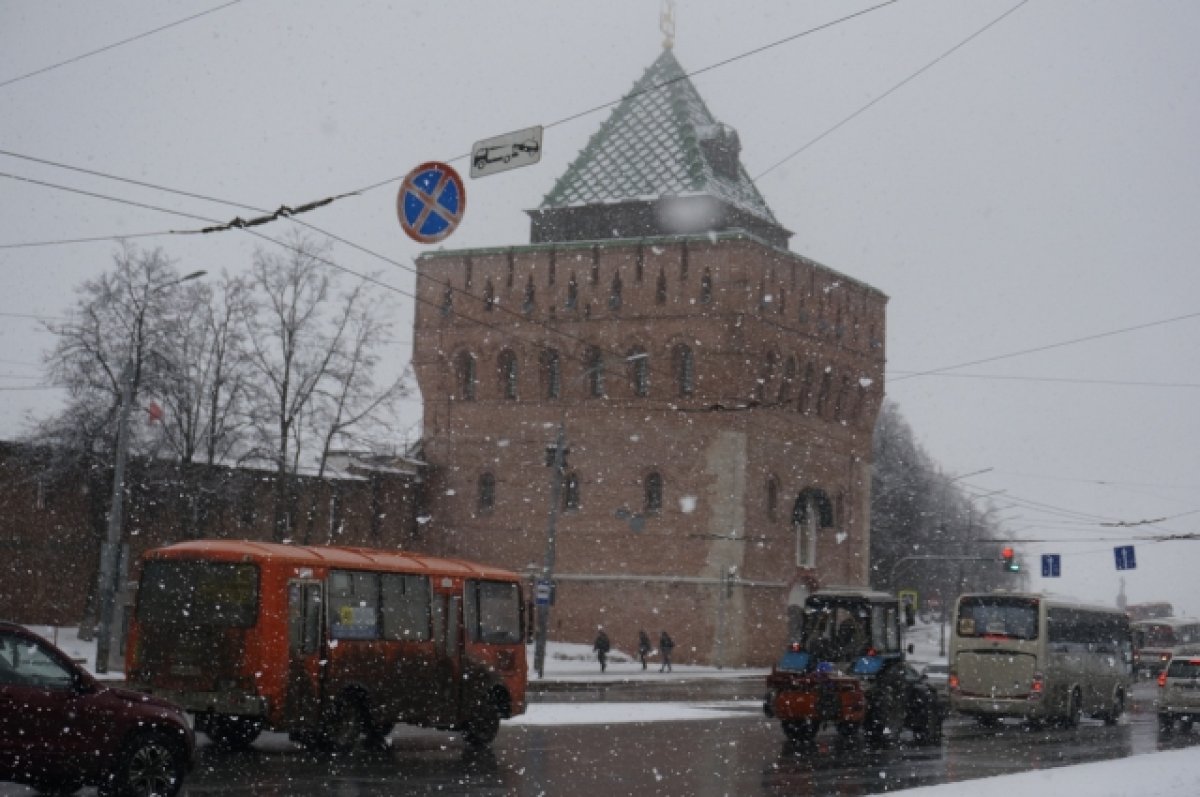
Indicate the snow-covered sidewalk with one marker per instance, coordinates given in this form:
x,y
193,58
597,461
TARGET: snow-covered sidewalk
x,y
1171,774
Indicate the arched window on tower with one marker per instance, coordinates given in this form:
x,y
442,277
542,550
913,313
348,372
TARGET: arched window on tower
x,y
684,367
639,371
529,303
508,374
464,373
487,492
789,380
593,364
772,498
660,288
489,297
551,373
653,486
706,287
804,402
823,396
572,301
811,512
762,390
614,293
447,301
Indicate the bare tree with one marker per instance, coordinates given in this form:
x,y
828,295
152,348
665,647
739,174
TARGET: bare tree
x,y
205,400
117,330
314,353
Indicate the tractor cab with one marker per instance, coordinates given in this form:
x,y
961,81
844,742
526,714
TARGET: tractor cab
x,y
852,630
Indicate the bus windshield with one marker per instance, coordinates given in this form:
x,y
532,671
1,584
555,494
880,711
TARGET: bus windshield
x,y
998,616
494,612
198,593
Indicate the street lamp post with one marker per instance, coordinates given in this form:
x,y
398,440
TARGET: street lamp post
x,y
546,581
110,549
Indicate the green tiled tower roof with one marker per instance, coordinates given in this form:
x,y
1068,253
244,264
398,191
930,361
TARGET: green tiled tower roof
x,y
660,164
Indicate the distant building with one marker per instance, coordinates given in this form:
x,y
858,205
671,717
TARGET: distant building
x,y
717,393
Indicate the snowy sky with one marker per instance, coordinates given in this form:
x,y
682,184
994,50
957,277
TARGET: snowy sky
x,y
1038,185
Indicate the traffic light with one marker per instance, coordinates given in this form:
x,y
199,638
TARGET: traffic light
x,y
1008,559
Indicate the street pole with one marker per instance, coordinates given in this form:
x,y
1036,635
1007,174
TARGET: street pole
x,y
547,579
110,549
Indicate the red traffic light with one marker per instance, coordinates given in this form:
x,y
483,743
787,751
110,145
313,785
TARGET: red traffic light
x,y
1007,553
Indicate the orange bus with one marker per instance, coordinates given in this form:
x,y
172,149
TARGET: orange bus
x,y
331,645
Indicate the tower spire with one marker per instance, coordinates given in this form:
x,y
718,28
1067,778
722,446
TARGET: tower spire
x,y
666,23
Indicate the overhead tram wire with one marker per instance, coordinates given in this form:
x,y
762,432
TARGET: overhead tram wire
x,y
460,292
890,91
115,45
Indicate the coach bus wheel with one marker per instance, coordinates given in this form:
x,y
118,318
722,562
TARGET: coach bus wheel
x,y
232,733
1118,708
1074,712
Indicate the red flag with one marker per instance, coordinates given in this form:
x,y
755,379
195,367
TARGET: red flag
x,y
155,412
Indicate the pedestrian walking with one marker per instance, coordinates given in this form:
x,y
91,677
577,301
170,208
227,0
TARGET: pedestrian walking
x,y
643,647
665,645
601,646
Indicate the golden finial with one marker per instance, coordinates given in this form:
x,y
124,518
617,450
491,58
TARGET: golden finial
x,y
666,23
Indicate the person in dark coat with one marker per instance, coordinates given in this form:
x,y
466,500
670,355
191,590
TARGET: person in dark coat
x,y
665,646
643,647
601,646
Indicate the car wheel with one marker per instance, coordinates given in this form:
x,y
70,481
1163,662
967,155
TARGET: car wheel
x,y
149,766
987,721
848,730
1166,723
232,733
1186,726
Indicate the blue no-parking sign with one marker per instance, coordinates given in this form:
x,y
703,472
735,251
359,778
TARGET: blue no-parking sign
x,y
431,202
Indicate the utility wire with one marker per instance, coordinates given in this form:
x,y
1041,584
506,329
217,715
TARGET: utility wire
x,y
893,375
889,92
115,45
1049,346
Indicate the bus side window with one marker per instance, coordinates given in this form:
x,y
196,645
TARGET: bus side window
x,y
304,617
405,607
353,605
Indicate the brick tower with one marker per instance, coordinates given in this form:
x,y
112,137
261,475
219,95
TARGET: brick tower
x,y
715,393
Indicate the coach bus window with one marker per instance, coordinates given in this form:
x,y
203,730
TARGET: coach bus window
x,y
1014,618
198,593
405,607
353,605
494,612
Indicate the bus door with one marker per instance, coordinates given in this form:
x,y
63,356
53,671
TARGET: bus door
x,y
447,670
304,677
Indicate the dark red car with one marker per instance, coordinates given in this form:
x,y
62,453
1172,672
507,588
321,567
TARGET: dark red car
x,y
61,729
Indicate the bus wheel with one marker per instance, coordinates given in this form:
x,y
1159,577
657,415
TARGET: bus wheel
x,y
483,725
345,725
232,733
928,728
1118,708
1074,712
1166,723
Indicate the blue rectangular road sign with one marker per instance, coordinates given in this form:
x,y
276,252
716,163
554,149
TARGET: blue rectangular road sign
x,y
1125,557
543,595
1051,565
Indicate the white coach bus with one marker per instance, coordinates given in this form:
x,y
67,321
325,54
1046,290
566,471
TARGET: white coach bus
x,y
1038,658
